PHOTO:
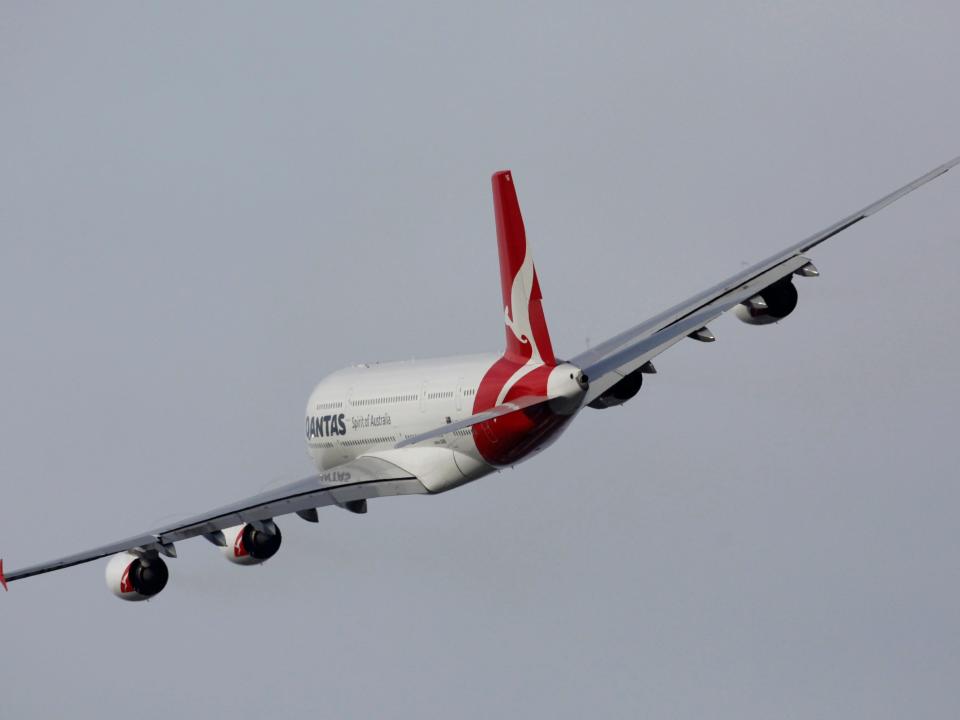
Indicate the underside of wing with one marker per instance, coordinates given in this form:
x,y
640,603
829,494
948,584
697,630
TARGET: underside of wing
x,y
347,486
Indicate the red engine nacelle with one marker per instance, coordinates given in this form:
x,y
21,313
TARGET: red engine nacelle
x,y
773,304
246,545
131,577
621,392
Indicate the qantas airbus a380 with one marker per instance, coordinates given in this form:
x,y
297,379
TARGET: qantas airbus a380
x,y
432,425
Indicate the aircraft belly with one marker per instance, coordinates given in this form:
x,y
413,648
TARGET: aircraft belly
x,y
438,469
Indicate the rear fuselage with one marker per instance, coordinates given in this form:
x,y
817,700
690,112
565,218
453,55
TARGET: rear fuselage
x,y
369,408
374,406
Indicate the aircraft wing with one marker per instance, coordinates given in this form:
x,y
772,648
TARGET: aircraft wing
x,y
363,478
610,361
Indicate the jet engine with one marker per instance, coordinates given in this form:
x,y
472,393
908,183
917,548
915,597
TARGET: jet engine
x,y
621,392
132,577
771,305
251,544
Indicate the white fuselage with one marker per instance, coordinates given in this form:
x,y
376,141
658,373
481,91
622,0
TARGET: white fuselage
x,y
369,408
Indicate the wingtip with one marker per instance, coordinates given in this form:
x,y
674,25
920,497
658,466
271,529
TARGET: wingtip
x,y
3,579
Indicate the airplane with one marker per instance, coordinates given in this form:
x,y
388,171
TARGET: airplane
x,y
429,426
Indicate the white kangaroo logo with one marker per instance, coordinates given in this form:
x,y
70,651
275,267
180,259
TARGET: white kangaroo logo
x,y
520,293
519,324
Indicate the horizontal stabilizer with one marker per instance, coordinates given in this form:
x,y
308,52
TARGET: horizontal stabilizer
x,y
521,403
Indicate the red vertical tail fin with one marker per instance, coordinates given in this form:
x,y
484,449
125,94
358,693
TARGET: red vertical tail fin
x,y
527,336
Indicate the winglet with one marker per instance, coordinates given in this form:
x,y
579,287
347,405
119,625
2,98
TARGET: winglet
x,y
3,580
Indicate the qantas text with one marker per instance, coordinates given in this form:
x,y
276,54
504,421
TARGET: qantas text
x,y
325,426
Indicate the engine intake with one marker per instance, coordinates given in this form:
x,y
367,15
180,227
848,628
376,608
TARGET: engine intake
x,y
247,545
774,304
131,577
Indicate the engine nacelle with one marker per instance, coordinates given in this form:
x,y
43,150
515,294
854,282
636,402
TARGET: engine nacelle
x,y
619,393
134,578
778,301
248,546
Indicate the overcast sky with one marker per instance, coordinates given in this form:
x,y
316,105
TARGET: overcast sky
x,y
205,208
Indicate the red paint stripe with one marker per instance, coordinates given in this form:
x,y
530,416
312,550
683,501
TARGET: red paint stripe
x,y
126,586
239,549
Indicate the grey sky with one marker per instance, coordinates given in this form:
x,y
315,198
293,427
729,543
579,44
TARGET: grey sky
x,y
205,209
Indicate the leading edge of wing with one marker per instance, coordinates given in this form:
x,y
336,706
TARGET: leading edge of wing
x,y
676,313
872,208
365,477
